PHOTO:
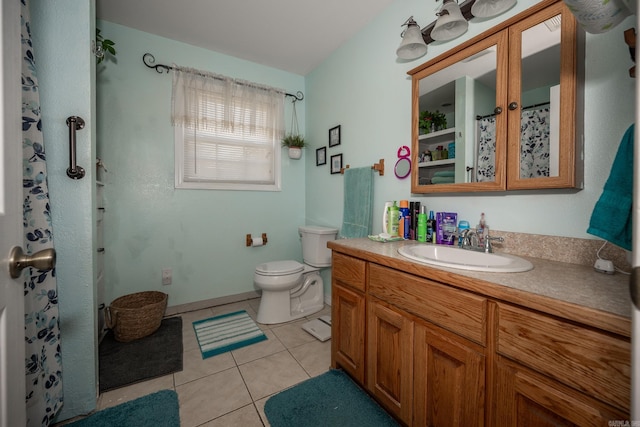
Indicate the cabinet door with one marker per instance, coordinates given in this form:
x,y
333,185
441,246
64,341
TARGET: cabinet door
x,y
347,331
524,398
543,115
389,358
449,379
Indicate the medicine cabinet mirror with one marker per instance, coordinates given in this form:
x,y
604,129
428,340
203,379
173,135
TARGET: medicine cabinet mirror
x,y
500,112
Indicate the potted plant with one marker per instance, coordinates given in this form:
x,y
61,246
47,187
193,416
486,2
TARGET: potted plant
x,y
295,143
432,121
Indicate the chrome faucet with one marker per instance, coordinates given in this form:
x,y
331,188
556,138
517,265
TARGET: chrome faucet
x,y
471,240
488,248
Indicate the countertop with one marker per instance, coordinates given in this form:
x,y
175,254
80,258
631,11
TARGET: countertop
x,y
571,291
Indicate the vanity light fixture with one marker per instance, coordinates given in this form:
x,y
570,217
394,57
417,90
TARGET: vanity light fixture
x,y
450,23
491,8
413,45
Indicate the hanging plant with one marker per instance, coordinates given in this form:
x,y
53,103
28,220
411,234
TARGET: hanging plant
x,y
294,141
103,46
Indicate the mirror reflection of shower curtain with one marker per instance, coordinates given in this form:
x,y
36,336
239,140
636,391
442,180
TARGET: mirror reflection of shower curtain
x,y
534,143
486,157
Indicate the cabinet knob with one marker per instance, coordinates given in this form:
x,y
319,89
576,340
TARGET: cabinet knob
x,y
498,110
513,106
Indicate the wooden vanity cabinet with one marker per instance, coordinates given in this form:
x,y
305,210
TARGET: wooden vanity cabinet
x,y
419,371
348,315
550,371
448,379
433,354
390,358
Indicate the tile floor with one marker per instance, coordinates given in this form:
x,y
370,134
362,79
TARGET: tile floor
x,y
231,389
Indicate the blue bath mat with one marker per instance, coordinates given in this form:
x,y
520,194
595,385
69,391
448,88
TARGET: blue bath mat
x,y
159,409
226,332
331,399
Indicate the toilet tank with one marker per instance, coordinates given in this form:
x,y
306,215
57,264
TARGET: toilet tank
x,y
314,244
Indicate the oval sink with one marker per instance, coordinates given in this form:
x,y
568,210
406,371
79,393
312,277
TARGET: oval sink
x,y
464,259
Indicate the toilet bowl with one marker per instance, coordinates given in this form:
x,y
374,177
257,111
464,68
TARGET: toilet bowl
x,y
291,290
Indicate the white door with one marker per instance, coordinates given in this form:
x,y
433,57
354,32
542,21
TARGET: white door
x,y
12,377
635,319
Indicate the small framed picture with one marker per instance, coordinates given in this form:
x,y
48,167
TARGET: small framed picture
x,y
336,163
321,156
334,136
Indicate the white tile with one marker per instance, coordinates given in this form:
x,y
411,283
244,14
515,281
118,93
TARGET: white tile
x,y
134,391
195,367
271,374
247,416
211,397
255,351
314,357
260,407
292,334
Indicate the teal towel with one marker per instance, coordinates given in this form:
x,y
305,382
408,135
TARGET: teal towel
x,y
445,173
358,202
611,218
443,180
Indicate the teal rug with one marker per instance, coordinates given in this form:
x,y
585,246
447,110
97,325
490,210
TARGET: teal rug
x,y
226,332
331,399
159,409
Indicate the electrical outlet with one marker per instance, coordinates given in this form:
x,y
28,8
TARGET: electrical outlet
x,y
166,276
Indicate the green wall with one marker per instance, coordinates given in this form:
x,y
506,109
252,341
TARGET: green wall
x,y
65,69
149,225
365,89
200,234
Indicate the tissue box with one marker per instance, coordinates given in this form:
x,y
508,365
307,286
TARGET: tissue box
x,y
446,223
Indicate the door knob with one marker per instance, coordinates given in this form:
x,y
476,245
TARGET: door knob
x,y
42,260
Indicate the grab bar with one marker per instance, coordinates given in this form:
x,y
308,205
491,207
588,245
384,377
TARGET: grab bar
x,y
74,171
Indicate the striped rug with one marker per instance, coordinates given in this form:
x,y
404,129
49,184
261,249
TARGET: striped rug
x,y
226,332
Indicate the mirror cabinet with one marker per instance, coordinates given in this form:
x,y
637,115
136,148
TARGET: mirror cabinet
x,y
502,111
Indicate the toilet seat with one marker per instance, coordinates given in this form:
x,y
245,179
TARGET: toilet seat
x,y
279,268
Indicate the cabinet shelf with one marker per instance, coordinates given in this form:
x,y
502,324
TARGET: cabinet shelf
x,y
435,163
436,134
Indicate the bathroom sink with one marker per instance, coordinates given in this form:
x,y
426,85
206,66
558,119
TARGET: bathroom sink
x,y
464,259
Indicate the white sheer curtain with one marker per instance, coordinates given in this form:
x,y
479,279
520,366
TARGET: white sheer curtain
x,y
232,128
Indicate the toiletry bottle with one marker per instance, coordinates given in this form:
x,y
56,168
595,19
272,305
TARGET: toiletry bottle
x,y
431,228
394,214
422,224
385,216
405,220
462,226
480,229
414,219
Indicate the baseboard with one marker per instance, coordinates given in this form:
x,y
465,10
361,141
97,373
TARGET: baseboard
x,y
200,305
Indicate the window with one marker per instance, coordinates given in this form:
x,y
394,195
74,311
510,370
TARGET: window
x,y
227,132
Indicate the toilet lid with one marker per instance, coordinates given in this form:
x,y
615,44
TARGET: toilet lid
x,y
279,268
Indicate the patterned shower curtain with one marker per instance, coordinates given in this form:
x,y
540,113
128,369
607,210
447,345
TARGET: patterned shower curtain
x,y
42,333
534,143
486,158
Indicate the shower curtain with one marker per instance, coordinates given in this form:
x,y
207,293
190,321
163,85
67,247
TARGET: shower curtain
x,y
43,367
534,143
486,157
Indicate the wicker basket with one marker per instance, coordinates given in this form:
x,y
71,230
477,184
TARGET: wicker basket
x,y
136,315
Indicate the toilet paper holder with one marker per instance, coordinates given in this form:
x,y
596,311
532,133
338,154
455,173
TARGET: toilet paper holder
x,y
250,239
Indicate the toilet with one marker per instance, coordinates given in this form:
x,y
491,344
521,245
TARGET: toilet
x,y
291,290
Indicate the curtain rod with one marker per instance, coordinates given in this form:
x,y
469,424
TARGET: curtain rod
x,y
523,108
149,60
